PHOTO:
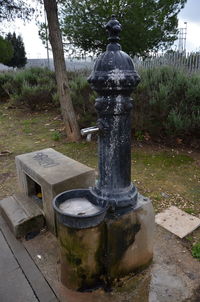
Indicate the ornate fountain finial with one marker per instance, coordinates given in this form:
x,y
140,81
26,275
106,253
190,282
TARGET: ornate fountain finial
x,y
114,28
114,70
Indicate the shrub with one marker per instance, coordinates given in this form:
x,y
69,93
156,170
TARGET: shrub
x,y
167,103
4,78
83,100
33,88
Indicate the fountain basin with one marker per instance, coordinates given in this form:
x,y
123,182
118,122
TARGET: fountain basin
x,y
78,209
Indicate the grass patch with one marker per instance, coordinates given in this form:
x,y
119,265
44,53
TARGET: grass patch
x,y
166,176
56,136
189,211
196,250
192,243
163,159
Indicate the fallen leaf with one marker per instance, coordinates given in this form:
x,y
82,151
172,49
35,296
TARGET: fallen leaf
x,y
6,152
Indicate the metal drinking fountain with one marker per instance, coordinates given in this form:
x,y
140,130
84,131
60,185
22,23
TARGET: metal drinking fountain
x,y
97,227
114,78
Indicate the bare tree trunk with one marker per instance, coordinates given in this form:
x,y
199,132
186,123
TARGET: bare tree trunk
x,y
69,117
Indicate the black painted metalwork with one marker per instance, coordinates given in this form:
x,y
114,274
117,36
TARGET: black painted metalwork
x,y
114,78
76,220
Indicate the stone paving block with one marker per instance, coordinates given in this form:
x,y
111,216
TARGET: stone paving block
x,y
15,288
177,221
13,284
7,261
31,272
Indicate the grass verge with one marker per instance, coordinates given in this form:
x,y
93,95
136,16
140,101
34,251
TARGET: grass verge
x,y
167,176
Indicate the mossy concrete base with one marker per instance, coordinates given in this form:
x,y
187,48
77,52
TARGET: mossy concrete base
x,y
122,244
81,256
130,238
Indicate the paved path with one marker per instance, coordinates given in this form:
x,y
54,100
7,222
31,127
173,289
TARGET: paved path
x,y
20,278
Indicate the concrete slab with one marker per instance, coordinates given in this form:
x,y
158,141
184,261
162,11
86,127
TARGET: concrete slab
x,y
51,166
177,221
51,173
22,215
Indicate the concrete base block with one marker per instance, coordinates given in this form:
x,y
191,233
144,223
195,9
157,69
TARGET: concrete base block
x,y
120,245
81,256
130,238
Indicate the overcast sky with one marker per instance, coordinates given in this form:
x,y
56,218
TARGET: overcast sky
x,y
35,49
190,14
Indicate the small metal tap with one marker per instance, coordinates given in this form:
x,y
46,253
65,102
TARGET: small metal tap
x,y
88,132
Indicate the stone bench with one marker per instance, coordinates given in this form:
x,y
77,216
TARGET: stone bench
x,y
44,174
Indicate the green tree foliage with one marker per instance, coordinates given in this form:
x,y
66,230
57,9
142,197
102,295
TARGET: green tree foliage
x,y
11,9
147,24
19,59
6,51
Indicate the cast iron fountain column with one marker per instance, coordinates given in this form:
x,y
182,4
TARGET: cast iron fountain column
x,y
106,232
114,78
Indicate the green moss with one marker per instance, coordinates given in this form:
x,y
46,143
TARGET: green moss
x,y
121,235
101,254
79,254
75,252
73,247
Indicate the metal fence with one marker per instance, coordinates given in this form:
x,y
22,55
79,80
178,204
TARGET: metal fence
x,y
189,62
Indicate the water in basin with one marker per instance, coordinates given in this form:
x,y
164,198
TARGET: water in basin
x,y
79,206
